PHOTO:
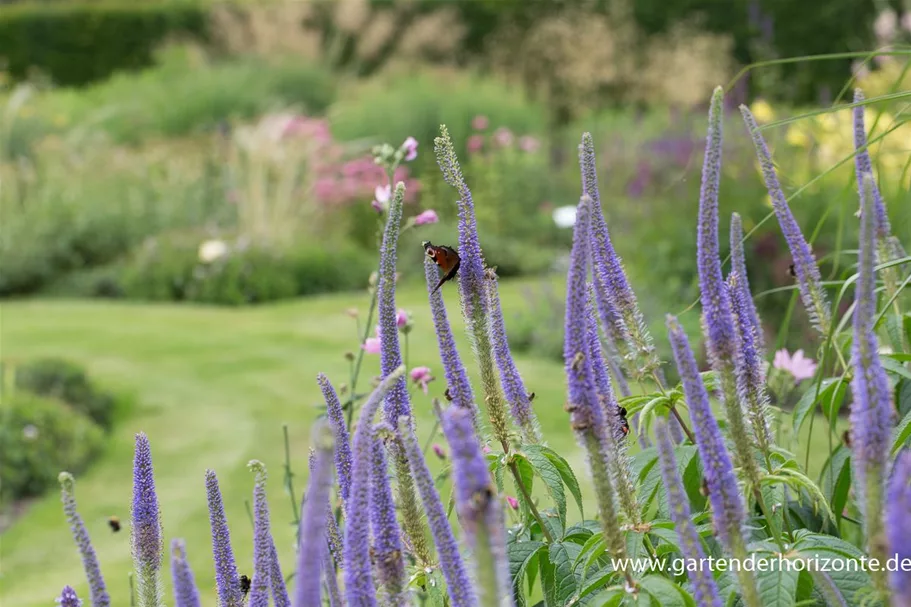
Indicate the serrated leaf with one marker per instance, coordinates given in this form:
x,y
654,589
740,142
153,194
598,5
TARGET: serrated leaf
x,y
684,455
566,580
611,597
527,475
592,545
520,555
596,582
895,368
777,586
641,462
835,480
553,481
567,474
665,592
846,578
830,390
901,433
903,397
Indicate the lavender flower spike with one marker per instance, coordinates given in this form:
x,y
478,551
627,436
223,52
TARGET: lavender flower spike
x,y
226,579
718,470
359,590
705,590
279,589
458,584
898,527
185,591
387,545
863,165
456,376
871,423
342,440
480,513
68,598
145,530
739,267
97,590
262,540
313,522
808,278
513,387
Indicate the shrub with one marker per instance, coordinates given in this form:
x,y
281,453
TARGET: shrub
x,y
77,43
39,437
66,381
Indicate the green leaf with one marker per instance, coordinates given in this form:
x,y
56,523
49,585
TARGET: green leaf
x,y
665,592
596,582
566,473
900,356
612,597
566,580
835,480
548,579
685,468
778,587
641,462
901,433
548,472
847,578
830,391
527,474
593,548
895,368
520,555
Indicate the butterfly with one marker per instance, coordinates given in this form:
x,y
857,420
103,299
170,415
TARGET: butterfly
x,y
445,257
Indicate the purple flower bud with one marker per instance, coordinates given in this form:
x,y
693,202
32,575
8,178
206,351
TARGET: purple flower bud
x,y
226,579
68,598
146,526
704,588
313,522
185,591
438,451
809,280
342,440
387,545
458,584
510,379
97,590
871,411
898,526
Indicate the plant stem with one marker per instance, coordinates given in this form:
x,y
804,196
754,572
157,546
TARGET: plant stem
x,y
289,483
360,359
531,505
686,429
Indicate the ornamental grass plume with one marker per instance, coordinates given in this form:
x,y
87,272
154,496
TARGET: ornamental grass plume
x,y
359,588
145,528
185,592
227,581
458,584
479,510
728,512
871,411
314,519
387,543
722,339
705,590
808,278
69,598
898,527
342,439
97,590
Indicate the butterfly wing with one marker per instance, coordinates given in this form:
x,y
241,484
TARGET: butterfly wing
x,y
447,259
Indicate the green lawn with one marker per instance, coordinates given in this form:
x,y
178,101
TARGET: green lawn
x,y
212,388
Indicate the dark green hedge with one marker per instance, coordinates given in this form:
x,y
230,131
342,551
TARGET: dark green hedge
x,y
75,43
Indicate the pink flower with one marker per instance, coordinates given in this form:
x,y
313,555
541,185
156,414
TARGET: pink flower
x,y
428,216
401,318
475,144
503,137
372,345
479,123
438,450
513,502
485,449
800,367
529,144
411,149
382,195
421,376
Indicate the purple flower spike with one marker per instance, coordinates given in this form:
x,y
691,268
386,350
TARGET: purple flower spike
x,y
808,278
397,402
898,527
739,267
279,589
342,440
513,387
458,584
456,377
185,592
863,165
97,590
145,530
359,589
705,590
479,510
872,408
68,598
724,493
313,522
387,545
262,540
226,579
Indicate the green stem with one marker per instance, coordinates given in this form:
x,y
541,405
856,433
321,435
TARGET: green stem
x,y
355,374
531,505
289,483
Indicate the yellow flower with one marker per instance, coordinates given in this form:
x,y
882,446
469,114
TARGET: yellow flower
x,y
762,111
797,137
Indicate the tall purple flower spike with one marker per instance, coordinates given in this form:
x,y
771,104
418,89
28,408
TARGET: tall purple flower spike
x,y
145,530
871,412
808,278
342,440
458,583
69,598
387,543
185,592
705,590
480,513
359,588
279,590
97,590
227,581
898,527
263,557
863,166
313,522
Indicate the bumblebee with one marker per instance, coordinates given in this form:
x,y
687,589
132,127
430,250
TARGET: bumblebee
x,y
245,585
446,258
114,524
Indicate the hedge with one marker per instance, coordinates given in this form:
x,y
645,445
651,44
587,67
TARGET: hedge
x,y
75,44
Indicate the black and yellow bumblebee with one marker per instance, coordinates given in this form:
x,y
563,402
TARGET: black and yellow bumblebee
x,y
245,583
114,523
